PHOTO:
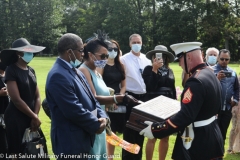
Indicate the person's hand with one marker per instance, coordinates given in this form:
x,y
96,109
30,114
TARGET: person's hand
x,y
103,123
108,127
35,123
128,99
3,91
157,64
115,106
233,103
221,75
147,132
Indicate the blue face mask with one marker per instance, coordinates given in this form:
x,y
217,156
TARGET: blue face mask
x,y
212,60
76,62
136,48
27,57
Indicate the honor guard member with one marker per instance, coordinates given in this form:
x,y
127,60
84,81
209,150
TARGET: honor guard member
x,y
199,137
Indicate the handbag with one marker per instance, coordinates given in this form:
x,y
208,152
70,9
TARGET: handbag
x,y
2,121
34,145
46,108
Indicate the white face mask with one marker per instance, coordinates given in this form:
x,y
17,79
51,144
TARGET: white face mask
x,y
136,48
112,54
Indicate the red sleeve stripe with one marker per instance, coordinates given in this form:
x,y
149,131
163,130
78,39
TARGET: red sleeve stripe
x,y
174,126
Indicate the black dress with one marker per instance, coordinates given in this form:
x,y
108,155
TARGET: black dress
x,y
160,83
15,120
113,77
3,105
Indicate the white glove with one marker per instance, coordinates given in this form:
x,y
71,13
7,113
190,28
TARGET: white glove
x,y
147,132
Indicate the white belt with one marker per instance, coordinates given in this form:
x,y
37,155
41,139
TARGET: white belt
x,y
204,122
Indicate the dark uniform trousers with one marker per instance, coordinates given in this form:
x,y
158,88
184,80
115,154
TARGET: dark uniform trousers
x,y
131,135
224,119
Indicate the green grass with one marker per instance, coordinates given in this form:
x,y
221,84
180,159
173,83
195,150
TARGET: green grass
x,y
42,65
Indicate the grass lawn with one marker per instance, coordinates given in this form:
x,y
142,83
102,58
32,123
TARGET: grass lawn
x,y
43,64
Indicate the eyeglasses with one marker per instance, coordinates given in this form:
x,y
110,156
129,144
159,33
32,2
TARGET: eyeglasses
x,y
111,49
226,59
103,56
81,51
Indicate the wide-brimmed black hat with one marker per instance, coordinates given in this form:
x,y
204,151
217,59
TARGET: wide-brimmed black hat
x,y
8,57
160,49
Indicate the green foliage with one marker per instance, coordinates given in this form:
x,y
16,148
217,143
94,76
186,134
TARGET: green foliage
x,y
42,22
36,20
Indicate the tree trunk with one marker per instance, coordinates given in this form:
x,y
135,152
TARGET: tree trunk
x,y
154,24
238,55
227,43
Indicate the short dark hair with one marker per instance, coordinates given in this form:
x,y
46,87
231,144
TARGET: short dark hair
x,y
224,51
93,46
68,41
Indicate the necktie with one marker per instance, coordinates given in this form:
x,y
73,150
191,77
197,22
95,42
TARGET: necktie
x,y
84,84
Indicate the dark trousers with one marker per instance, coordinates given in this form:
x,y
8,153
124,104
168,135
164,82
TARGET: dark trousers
x,y
131,135
3,142
224,119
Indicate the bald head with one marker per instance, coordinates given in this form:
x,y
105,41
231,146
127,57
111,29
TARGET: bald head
x,y
193,59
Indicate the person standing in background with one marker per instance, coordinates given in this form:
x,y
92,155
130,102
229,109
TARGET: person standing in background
x,y
114,77
234,137
211,56
4,101
230,90
23,91
159,80
134,63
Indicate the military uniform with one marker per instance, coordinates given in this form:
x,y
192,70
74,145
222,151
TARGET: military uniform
x,y
200,103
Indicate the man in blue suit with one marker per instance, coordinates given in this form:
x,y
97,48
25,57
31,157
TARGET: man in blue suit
x,y
76,115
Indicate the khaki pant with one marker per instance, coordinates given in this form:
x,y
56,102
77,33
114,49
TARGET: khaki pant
x,y
234,138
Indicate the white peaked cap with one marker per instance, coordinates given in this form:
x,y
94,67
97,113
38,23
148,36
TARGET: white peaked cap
x,y
183,48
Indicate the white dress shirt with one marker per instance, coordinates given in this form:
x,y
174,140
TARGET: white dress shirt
x,y
134,66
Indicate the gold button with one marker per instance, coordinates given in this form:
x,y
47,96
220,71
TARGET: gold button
x,y
157,126
164,125
152,127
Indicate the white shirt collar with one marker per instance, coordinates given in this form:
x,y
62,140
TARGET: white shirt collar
x,y
66,62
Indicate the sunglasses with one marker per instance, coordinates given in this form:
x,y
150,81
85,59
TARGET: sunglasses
x,y
111,49
226,59
103,56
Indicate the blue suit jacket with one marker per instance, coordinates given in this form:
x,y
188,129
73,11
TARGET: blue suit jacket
x,y
73,126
